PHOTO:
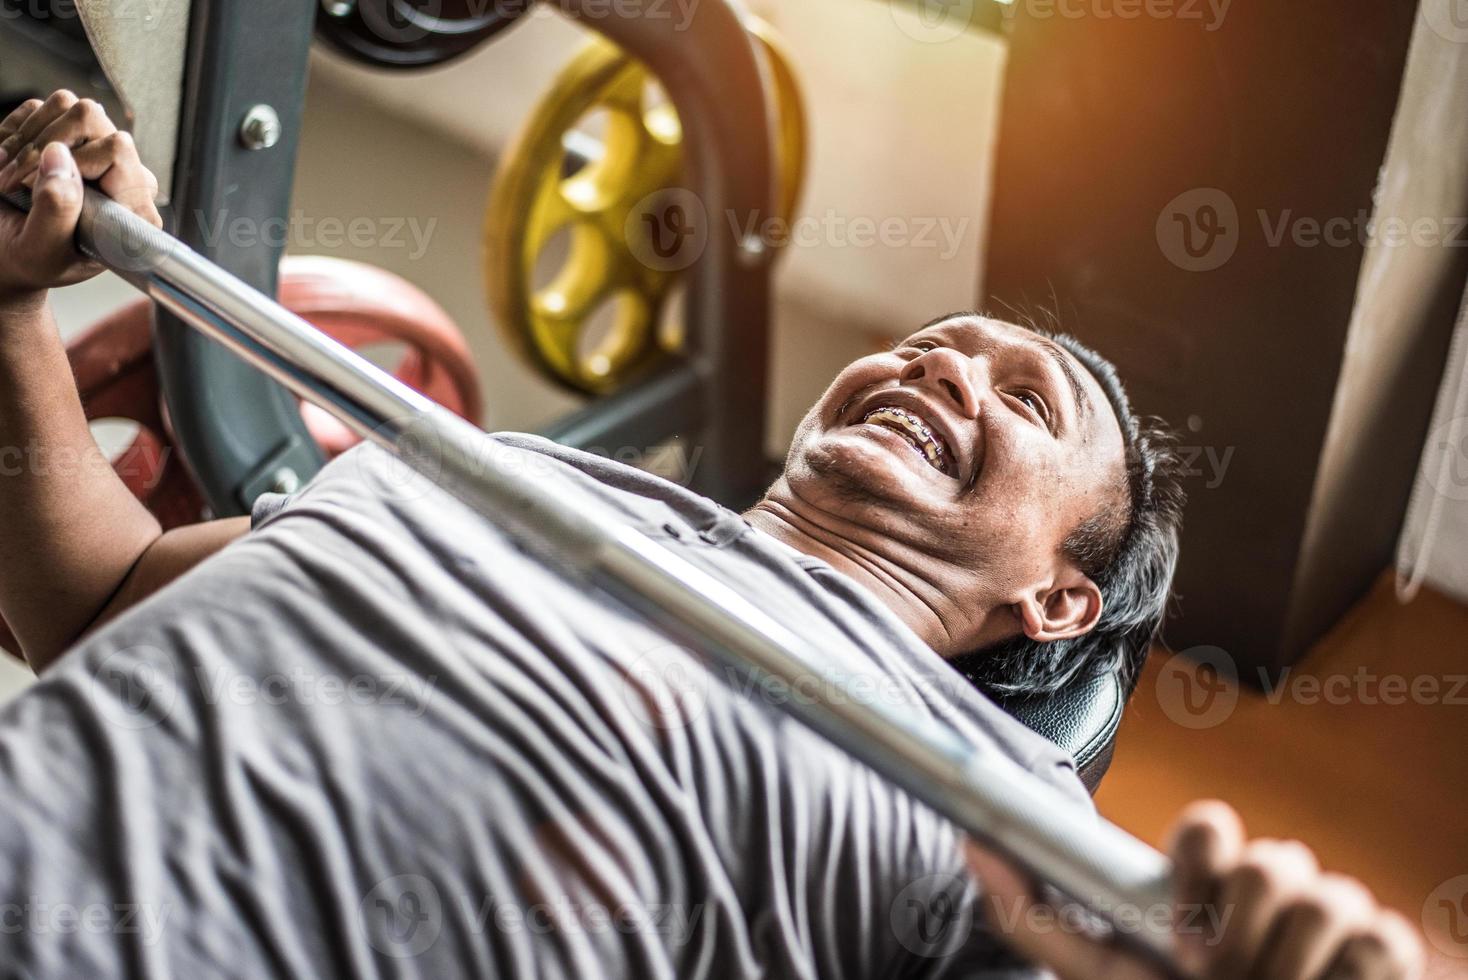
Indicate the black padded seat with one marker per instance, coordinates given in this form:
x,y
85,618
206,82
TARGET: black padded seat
x,y
1082,719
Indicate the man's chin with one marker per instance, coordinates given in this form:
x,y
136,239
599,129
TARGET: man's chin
x,y
859,469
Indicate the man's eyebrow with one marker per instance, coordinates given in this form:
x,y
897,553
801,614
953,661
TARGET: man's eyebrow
x,y
1059,356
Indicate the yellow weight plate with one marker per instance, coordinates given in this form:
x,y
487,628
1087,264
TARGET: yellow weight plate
x,y
592,319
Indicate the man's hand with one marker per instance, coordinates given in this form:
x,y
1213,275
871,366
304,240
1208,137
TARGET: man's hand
x,y
1245,909
51,147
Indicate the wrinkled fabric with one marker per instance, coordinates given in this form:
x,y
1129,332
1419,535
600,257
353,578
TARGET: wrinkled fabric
x,y
373,738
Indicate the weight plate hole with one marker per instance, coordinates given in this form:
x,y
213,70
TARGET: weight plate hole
x,y
386,354
612,335
551,260
114,435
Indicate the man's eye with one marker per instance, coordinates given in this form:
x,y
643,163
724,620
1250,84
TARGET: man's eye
x,y
1035,403
923,345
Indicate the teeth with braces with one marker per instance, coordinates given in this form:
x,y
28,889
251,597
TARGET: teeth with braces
x,y
907,424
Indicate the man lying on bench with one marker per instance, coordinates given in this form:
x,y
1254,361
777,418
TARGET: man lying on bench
x,y
361,733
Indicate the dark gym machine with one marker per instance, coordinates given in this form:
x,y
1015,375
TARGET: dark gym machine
x,y
244,85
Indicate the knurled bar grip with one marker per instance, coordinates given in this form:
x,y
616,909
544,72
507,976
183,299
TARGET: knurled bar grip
x,y
1081,855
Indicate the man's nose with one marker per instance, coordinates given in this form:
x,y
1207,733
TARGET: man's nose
x,y
948,373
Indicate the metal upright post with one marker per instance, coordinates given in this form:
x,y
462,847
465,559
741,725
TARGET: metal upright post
x,y
245,80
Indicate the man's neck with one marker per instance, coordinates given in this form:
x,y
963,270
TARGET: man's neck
x,y
822,535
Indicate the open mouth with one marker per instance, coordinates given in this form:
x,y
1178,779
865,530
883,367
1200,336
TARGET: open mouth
x,y
924,441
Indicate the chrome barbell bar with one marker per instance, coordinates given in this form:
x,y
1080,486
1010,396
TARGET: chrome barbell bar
x,y
1081,855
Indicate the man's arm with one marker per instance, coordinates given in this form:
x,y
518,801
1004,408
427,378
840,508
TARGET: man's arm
x,y
75,546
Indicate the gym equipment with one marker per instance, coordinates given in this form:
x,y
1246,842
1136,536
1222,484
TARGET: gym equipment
x,y
364,307
1081,855
239,116
117,379
413,33
143,56
1082,718
607,202
357,305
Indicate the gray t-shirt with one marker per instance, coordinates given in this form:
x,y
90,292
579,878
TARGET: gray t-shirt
x,y
374,738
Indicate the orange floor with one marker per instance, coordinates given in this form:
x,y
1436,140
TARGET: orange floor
x,y
1379,789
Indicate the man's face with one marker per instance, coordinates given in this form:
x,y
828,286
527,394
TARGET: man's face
x,y
966,455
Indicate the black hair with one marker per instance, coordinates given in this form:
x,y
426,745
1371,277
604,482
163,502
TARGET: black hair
x,y
1129,548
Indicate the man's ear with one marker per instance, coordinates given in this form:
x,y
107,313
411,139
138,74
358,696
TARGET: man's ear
x,y
1069,608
